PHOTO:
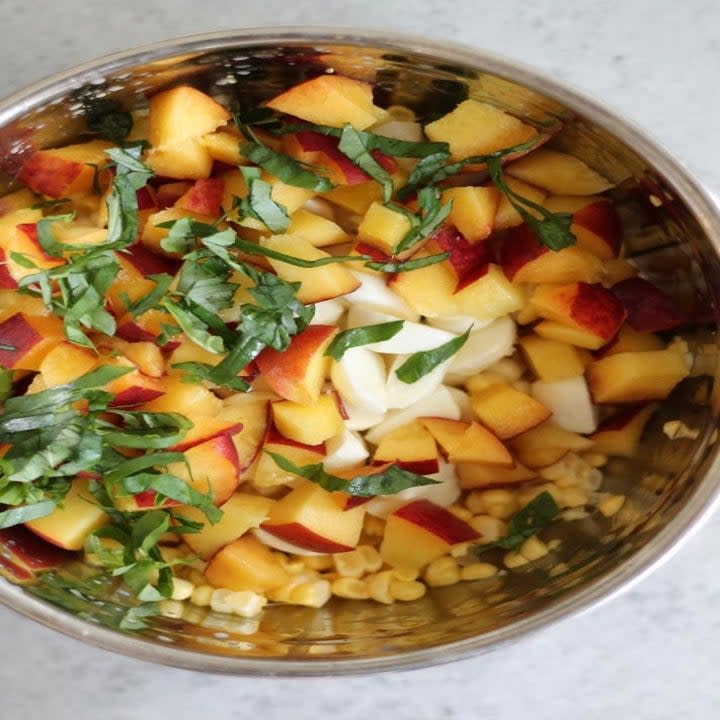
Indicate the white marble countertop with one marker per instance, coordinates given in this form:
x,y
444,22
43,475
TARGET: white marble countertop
x,y
649,655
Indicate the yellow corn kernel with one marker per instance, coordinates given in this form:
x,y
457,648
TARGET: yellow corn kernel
x,y
533,548
442,571
490,528
379,587
196,577
514,560
407,590
595,459
181,589
171,608
246,603
373,526
318,562
311,594
405,574
350,588
219,600
611,504
461,549
460,512
573,497
349,564
201,595
475,502
478,571
371,557
558,569
292,566
499,503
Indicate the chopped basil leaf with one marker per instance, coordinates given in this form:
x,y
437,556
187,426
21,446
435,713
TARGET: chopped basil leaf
x,y
46,238
525,523
284,167
19,515
153,298
407,265
354,337
353,144
432,214
421,363
253,249
552,228
193,327
259,203
387,482
107,118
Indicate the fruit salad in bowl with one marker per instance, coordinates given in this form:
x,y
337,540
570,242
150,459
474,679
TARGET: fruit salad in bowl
x,y
319,348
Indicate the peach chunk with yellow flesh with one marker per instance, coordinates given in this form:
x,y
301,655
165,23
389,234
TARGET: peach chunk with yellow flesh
x,y
298,372
246,564
620,433
252,411
383,227
591,309
558,173
308,424
546,444
420,532
632,377
66,362
507,412
314,520
68,526
267,473
507,215
473,475
317,283
411,447
25,340
631,340
319,230
330,100
551,360
525,259
65,171
468,442
211,467
241,513
477,128
473,210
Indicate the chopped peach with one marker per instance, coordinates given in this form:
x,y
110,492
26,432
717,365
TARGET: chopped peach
x,y
473,210
308,424
546,444
507,411
411,446
473,475
551,360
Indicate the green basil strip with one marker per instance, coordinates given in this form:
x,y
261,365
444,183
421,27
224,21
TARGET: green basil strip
x,y
389,482
259,203
19,515
354,146
432,214
525,523
253,249
421,363
284,167
355,337
407,265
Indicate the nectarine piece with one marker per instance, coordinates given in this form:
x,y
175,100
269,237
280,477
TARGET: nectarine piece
x,y
383,228
620,433
546,444
411,447
473,475
630,340
649,309
184,159
308,424
632,377
489,297
507,216
252,410
319,230
473,210
184,398
507,412
27,339
66,362
468,442
551,360
267,473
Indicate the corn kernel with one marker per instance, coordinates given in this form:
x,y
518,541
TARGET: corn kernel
x,y
196,577
171,608
573,497
351,588
219,600
407,590
379,587
558,569
611,504
514,560
405,574
373,526
442,571
533,548
201,595
571,514
291,565
349,564
311,594
246,603
489,528
461,549
371,557
499,503
318,562
478,571
475,502
460,512
572,471
181,589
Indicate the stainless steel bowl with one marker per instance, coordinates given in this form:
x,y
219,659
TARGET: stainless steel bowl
x,y
674,234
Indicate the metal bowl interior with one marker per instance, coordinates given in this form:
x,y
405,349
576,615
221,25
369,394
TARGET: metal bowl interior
x,y
673,232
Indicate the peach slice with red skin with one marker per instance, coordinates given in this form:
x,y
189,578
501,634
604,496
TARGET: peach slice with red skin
x,y
204,197
298,372
590,308
468,442
420,532
23,554
649,309
27,339
630,340
470,261
410,447
620,433
204,429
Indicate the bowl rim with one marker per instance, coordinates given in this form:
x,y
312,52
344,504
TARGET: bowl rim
x,y
698,508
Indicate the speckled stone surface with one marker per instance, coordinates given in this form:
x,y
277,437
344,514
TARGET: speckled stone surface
x,y
651,654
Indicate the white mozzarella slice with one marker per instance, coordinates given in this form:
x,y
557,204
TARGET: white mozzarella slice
x,y
570,402
440,403
483,348
344,450
328,312
444,493
400,394
375,294
270,540
457,324
359,377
